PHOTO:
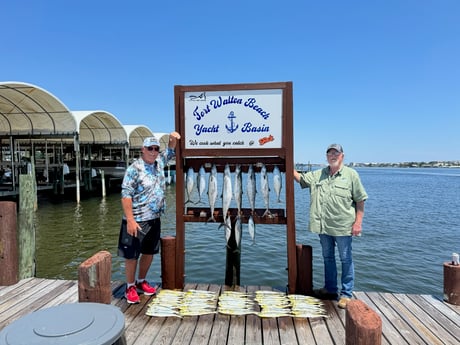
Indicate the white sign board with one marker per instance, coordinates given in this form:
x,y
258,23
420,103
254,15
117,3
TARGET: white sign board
x,y
233,119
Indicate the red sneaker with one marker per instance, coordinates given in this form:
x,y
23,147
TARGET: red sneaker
x,y
146,288
131,295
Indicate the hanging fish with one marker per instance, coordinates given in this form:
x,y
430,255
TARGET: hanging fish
x,y
226,191
212,191
201,182
238,231
277,183
265,190
251,188
238,187
189,183
227,224
252,229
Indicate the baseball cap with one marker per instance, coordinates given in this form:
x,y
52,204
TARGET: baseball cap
x,y
151,141
336,147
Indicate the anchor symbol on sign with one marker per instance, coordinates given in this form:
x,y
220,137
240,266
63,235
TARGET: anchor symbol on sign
x,y
233,127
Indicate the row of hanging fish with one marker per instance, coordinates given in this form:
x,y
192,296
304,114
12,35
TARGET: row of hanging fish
x,y
233,191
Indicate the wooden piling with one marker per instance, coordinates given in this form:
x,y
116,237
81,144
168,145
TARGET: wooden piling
x,y
363,326
233,260
168,263
452,283
94,277
304,284
26,229
9,256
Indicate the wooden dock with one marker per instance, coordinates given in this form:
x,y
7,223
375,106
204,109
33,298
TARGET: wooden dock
x,y
406,318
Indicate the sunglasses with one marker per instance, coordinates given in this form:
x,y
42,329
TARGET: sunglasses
x,y
151,148
334,153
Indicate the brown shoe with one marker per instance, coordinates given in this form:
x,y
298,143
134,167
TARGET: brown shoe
x,y
342,303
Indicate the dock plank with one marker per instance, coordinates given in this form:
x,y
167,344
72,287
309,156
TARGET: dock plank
x,y
220,328
270,333
335,322
253,334
303,331
424,323
31,299
406,318
391,334
6,291
69,295
320,331
286,329
186,328
237,326
448,314
395,318
205,322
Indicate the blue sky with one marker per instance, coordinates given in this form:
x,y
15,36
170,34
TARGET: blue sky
x,y
381,77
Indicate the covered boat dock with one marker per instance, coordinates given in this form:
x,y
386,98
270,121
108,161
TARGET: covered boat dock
x,y
61,148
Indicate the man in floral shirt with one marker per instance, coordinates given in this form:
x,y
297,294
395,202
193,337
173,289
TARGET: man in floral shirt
x,y
143,202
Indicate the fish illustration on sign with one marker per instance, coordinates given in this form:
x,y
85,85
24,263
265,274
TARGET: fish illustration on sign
x,y
200,97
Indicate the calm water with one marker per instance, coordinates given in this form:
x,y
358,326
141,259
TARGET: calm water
x,y
410,228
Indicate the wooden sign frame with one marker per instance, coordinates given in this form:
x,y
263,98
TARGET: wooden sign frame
x,y
256,148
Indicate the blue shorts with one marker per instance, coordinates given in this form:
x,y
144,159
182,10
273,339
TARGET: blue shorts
x,y
146,242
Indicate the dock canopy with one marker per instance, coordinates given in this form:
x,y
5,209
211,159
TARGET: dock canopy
x,y
137,134
29,111
164,140
99,127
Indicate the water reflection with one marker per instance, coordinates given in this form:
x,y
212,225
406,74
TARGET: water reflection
x,y
68,233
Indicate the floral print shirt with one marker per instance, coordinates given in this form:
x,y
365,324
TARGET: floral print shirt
x,y
145,185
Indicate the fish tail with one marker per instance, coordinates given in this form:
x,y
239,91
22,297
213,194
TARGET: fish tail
x,y
224,224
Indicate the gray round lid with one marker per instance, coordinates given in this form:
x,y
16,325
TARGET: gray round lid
x,y
75,323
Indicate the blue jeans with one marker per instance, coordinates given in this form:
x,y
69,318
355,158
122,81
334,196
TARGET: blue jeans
x,y
343,243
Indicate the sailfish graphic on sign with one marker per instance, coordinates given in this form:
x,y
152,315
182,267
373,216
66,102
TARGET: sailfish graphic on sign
x,y
233,127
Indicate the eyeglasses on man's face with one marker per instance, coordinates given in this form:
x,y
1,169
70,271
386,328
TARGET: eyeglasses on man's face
x,y
333,153
153,148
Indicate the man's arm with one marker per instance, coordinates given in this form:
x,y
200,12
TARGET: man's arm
x,y
296,176
357,225
132,226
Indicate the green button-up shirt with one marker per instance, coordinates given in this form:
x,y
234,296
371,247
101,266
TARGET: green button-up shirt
x,y
333,200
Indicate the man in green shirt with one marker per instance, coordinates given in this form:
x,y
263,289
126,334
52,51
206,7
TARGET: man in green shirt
x,y
336,213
